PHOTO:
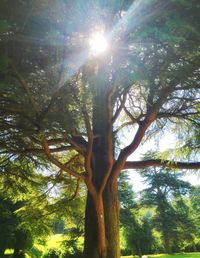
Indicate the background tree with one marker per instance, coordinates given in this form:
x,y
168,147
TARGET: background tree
x,y
141,221
137,232
186,228
164,185
194,204
8,224
136,224
56,97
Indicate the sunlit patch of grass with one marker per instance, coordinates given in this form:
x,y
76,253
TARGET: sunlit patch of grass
x,y
55,241
130,256
161,256
180,255
9,251
52,242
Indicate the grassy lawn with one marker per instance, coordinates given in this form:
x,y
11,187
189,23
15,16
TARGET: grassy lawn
x,y
52,242
181,255
55,241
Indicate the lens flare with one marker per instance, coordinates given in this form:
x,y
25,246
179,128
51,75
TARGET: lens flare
x,y
98,43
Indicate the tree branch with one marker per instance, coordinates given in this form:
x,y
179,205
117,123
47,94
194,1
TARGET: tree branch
x,y
58,163
36,150
143,126
161,163
88,155
122,126
119,109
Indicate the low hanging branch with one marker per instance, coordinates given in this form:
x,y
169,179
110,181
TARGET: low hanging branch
x,y
161,163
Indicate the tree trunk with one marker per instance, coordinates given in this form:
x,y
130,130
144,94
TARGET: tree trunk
x,y
91,230
166,241
102,212
111,209
111,213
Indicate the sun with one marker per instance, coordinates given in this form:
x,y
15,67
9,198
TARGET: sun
x,y
98,43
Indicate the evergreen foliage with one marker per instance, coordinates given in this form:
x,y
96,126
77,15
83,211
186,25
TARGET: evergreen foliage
x,y
165,191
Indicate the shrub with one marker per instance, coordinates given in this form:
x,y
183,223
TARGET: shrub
x,y
19,254
72,249
52,253
126,252
78,254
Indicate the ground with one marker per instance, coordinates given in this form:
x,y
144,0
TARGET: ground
x,y
181,255
54,242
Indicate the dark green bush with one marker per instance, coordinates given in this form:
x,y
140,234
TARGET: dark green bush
x,y
125,252
78,254
52,254
72,249
23,239
19,254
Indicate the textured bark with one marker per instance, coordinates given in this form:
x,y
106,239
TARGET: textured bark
x,y
111,206
111,212
91,230
99,208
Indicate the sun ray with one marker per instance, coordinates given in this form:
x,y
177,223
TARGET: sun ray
x,y
137,15
72,66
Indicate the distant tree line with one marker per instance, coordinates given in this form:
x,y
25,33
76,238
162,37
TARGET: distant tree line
x,y
165,216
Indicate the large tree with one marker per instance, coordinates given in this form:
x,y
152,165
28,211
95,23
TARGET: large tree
x,y
61,103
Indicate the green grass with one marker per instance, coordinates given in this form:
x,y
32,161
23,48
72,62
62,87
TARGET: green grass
x,y
181,255
54,242
9,251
